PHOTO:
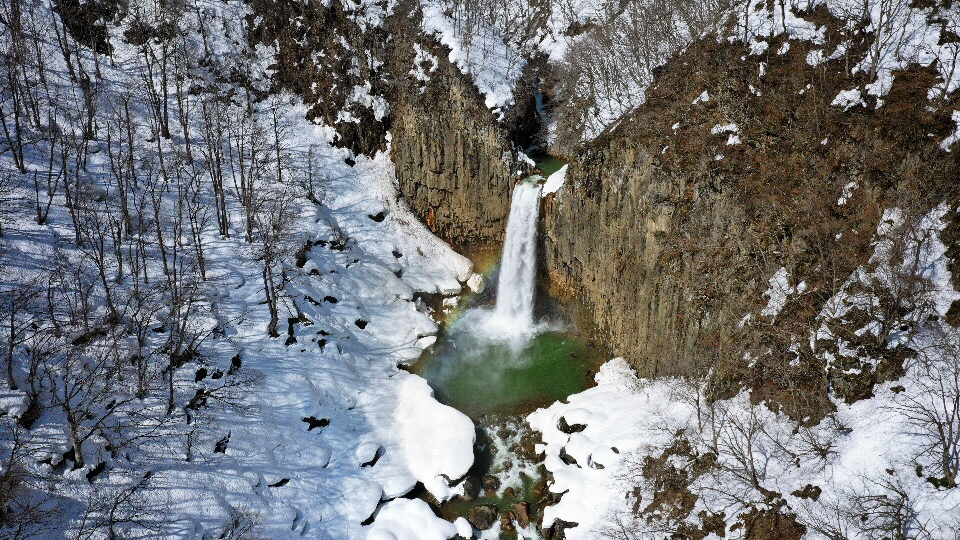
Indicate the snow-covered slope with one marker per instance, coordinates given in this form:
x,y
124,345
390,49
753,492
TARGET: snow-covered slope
x,y
221,430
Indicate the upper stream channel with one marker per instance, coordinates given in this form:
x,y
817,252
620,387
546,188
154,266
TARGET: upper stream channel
x,y
497,359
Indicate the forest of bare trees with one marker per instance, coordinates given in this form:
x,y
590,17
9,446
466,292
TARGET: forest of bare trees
x,y
138,139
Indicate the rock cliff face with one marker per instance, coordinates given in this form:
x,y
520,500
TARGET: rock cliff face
x,y
670,226
454,161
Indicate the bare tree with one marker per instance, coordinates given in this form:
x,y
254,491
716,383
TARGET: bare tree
x,y
25,511
215,117
887,510
932,406
8,184
17,303
275,217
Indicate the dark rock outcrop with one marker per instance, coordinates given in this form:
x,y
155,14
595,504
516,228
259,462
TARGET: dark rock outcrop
x,y
483,516
521,511
454,161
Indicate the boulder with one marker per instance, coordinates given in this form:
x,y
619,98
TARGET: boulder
x,y
522,512
471,488
483,516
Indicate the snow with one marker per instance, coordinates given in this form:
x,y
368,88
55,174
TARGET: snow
x,y
847,191
422,58
433,437
848,99
410,519
777,294
554,182
476,283
702,98
731,128
621,414
494,65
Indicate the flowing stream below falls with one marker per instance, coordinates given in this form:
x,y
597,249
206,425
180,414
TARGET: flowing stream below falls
x,y
497,364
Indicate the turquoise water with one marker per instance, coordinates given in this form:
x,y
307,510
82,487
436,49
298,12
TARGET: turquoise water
x,y
480,376
547,163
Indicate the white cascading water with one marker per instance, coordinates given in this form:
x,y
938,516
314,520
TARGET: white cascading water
x,y
515,290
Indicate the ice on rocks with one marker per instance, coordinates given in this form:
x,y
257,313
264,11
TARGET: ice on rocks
x,y
554,182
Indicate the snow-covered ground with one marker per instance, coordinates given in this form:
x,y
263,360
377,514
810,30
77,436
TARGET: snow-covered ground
x,y
313,434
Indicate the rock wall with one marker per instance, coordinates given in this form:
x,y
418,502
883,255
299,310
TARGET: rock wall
x,y
668,228
605,255
454,161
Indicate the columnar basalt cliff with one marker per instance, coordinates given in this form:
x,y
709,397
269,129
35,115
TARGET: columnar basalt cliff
x,y
670,226
453,160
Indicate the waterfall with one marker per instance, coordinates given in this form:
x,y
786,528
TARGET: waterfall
x,y
515,290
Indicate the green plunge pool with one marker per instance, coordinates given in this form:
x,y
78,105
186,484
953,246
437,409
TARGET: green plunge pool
x,y
480,374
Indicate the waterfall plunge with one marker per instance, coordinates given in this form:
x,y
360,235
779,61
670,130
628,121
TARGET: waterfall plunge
x,y
515,290
488,346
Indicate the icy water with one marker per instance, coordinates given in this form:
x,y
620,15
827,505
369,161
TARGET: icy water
x,y
497,364
547,163
481,377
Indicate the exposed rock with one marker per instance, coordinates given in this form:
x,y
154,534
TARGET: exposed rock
x,y
567,458
506,523
471,488
771,524
490,482
454,163
809,491
521,511
563,426
313,422
557,531
483,516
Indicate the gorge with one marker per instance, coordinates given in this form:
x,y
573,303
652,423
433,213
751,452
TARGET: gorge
x,y
243,248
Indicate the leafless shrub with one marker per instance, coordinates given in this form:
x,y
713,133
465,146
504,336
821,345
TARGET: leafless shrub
x,y
932,406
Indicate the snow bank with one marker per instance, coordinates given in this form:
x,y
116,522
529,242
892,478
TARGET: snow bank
x,y
433,437
554,182
622,414
413,519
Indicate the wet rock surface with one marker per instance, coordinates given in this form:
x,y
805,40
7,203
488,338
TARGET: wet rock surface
x,y
521,511
483,516
471,488
490,483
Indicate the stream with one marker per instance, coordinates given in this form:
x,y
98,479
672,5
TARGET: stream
x,y
496,364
